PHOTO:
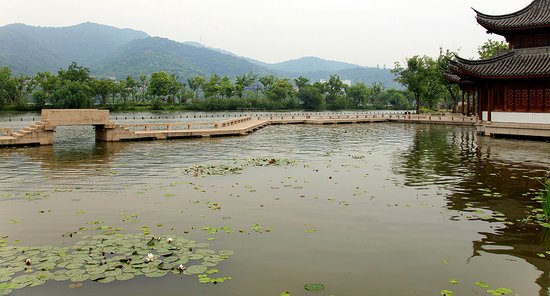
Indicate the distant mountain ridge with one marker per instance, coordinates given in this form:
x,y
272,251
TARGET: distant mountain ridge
x,y
112,52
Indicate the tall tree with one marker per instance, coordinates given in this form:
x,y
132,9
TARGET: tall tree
x,y
280,90
358,93
301,82
242,82
212,88
162,84
421,80
143,84
195,84
335,92
75,73
453,90
104,89
491,48
131,86
311,98
226,88
267,82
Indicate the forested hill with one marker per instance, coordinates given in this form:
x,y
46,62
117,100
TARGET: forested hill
x,y
151,54
28,49
114,52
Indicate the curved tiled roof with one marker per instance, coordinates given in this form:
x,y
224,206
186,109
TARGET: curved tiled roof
x,y
536,15
517,63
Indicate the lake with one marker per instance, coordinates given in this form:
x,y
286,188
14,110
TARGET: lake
x,y
363,209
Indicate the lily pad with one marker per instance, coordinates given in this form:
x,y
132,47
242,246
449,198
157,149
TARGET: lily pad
x,y
124,277
314,287
196,269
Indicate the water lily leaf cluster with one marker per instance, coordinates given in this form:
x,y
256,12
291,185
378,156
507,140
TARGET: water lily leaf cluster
x,y
106,258
236,167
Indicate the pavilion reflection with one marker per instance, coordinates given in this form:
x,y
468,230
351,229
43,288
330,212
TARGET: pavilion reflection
x,y
473,168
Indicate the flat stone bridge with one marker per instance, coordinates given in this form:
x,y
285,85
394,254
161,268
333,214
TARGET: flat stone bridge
x,y
42,132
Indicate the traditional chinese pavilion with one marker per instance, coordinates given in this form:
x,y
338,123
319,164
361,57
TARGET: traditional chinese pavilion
x,y
512,89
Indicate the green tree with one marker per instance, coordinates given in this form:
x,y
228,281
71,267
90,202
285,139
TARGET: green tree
x,y
163,85
212,88
226,87
397,99
311,98
7,86
75,73
131,87
72,88
336,90
195,84
421,79
453,90
374,94
358,93
242,82
143,84
185,94
73,94
280,90
301,82
104,89
46,84
490,48
267,82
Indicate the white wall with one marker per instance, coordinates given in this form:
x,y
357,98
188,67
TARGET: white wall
x,y
518,117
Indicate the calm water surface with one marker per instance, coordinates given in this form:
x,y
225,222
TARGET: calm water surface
x,y
369,209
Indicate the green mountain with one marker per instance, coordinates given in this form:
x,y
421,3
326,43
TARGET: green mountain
x,y
114,52
152,54
310,64
28,49
367,75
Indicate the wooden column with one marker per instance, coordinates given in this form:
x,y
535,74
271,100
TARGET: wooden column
x,y
490,104
480,94
544,99
463,112
469,105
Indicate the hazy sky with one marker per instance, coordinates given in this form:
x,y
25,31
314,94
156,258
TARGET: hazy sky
x,y
368,33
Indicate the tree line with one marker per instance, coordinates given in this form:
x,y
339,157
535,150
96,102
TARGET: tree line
x,y
423,77
75,87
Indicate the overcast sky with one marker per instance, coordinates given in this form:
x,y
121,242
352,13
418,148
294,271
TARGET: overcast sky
x,y
365,32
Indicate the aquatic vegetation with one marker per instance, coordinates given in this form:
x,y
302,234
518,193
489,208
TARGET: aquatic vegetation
x,y
447,293
107,258
235,168
482,285
500,291
314,287
541,215
544,195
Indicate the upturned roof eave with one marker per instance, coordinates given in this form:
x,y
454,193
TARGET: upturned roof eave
x,y
487,21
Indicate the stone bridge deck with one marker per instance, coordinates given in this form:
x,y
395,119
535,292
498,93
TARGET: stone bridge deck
x,y
41,133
